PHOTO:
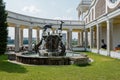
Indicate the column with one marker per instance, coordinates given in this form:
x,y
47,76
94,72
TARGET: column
x,y
53,31
69,39
95,39
109,36
91,38
21,37
78,38
81,38
38,35
17,38
30,39
98,37
86,40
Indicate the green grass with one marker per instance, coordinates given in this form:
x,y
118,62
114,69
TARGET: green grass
x,y
103,68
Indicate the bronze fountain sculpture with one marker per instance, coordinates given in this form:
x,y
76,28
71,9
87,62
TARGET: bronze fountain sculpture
x,y
50,51
51,43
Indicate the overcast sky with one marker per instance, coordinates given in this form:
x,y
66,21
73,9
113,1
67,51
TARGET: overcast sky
x,y
51,9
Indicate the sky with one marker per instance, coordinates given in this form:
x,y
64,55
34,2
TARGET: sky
x,y
50,9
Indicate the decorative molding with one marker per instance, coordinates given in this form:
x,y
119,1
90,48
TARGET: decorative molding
x,y
104,18
92,5
17,18
111,4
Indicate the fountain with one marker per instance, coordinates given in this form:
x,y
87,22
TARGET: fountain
x,y
51,51
51,44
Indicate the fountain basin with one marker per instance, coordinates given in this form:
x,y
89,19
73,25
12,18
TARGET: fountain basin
x,y
43,60
35,59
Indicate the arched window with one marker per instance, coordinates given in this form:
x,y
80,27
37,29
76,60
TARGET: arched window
x,y
113,1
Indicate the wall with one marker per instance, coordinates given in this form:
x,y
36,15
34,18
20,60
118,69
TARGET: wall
x,y
104,34
100,8
116,35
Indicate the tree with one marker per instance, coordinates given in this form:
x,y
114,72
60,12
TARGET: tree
x,y
3,28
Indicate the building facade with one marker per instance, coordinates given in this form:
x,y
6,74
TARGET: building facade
x,y
102,21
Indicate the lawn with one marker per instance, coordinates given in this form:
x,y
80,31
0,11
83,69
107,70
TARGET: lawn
x,y
103,68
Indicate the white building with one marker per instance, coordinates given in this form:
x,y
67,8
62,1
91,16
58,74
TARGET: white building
x,y
102,21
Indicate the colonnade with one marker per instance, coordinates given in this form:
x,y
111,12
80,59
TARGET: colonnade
x,y
82,37
95,37
19,37
98,34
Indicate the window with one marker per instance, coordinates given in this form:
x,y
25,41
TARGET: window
x,y
113,1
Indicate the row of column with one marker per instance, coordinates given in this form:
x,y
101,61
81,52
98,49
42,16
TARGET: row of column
x,y
19,38
98,35
69,39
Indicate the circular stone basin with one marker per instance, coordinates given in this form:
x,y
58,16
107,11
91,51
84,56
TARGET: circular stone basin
x,y
35,59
